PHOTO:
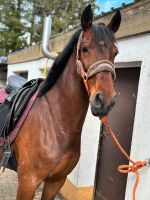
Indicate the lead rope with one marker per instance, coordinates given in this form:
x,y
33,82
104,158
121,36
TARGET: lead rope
x,y
126,168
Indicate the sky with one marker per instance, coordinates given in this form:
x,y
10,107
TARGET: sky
x,y
106,5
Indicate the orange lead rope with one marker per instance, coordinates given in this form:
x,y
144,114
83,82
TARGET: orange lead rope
x,y
126,168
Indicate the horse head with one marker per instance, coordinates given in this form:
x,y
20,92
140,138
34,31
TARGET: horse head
x,y
96,51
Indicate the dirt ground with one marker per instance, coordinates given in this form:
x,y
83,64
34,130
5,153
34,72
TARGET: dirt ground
x,y
8,187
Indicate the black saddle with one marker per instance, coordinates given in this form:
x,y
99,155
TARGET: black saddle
x,y
20,91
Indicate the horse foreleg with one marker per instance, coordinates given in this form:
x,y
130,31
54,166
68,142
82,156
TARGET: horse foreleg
x,y
51,188
27,187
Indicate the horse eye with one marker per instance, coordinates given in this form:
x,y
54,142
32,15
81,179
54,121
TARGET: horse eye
x,y
116,53
84,49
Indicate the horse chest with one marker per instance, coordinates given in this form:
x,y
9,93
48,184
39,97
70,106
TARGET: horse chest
x,y
65,165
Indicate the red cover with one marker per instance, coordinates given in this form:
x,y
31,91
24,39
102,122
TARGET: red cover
x,y
3,95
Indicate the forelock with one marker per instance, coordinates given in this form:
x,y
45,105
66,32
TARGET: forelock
x,y
104,34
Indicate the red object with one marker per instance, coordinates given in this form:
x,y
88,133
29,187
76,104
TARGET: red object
x,y
3,95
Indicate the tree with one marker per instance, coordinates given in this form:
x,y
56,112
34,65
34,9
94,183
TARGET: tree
x,y
24,18
12,26
65,13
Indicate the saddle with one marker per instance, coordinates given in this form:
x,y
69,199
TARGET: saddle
x,y
19,92
13,101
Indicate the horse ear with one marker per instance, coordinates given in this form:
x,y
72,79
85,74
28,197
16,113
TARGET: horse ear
x,y
115,22
87,18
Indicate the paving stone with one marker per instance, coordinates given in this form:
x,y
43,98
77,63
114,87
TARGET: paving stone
x,y
9,183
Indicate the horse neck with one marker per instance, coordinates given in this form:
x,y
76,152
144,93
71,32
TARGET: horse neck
x,y
68,100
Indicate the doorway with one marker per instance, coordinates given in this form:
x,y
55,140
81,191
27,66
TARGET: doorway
x,y
109,183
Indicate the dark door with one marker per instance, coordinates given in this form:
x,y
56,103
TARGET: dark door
x,y
109,183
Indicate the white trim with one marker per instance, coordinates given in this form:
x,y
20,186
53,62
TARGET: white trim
x,y
128,64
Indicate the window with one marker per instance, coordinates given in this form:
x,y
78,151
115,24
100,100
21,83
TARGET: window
x,y
23,74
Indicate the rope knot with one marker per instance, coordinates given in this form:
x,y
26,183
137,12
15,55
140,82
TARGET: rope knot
x,y
138,165
84,76
132,168
135,167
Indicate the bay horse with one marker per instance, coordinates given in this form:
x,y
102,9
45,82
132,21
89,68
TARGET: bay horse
x,y
47,147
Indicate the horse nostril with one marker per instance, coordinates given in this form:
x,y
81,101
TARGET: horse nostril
x,y
98,102
113,101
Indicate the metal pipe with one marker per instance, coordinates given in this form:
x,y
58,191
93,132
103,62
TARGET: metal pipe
x,y
46,37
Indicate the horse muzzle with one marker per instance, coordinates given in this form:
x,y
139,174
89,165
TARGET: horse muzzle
x,y
99,107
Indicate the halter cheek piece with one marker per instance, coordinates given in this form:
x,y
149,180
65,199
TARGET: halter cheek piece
x,y
102,65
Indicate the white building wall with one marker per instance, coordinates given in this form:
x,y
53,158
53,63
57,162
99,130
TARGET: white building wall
x,y
138,49
34,68
84,174
134,51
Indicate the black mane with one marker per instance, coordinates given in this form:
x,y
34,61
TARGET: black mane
x,y
101,33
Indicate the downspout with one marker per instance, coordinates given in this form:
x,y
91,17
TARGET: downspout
x,y
46,37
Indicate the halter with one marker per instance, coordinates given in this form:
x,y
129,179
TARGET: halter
x,y
97,67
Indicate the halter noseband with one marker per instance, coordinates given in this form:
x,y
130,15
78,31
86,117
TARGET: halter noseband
x,y
102,65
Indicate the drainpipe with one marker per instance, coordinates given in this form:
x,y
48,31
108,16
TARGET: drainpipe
x,y
46,37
